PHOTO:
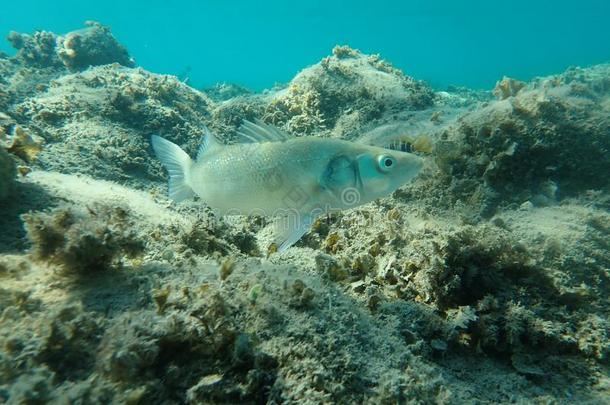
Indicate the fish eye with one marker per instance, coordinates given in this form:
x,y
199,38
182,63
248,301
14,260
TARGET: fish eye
x,y
385,163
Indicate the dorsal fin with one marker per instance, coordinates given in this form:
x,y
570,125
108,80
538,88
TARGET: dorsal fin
x,y
208,142
258,131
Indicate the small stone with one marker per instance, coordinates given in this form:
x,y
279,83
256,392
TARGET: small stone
x,y
271,249
499,222
168,254
358,286
210,379
160,297
24,170
134,396
528,205
307,296
254,293
207,387
298,286
226,268
327,264
373,302
439,345
526,364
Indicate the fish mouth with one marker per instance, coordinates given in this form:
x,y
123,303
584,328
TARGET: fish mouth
x,y
412,167
419,163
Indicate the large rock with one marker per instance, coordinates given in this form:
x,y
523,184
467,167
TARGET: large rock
x,y
44,56
548,140
76,50
98,122
345,89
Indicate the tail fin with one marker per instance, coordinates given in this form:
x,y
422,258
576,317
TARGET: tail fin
x,y
178,165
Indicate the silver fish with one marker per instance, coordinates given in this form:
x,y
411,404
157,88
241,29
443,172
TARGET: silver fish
x,y
272,173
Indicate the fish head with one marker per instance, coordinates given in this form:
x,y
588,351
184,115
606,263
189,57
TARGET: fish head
x,y
383,170
362,173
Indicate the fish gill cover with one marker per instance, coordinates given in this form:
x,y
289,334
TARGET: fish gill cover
x,y
485,279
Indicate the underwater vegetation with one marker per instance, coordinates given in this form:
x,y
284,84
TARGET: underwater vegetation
x,y
484,280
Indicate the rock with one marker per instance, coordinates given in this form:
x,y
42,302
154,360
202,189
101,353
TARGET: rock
x,y
82,243
343,90
549,138
109,112
77,50
507,87
91,46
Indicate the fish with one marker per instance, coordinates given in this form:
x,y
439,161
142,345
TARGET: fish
x,y
275,174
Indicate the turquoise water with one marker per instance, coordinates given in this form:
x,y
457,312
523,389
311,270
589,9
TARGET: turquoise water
x,y
256,44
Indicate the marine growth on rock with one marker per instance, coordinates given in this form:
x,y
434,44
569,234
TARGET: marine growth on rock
x,y
484,280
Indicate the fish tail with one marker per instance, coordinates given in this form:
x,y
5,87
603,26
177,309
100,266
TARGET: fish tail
x,y
178,165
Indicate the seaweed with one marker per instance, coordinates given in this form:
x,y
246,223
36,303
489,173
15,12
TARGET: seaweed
x,y
82,243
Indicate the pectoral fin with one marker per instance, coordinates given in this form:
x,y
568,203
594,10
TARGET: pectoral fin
x,y
288,229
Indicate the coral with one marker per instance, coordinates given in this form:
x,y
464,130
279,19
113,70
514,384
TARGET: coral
x,y
492,281
45,56
207,236
594,337
7,174
66,342
229,114
34,387
82,243
43,350
344,51
414,385
18,81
